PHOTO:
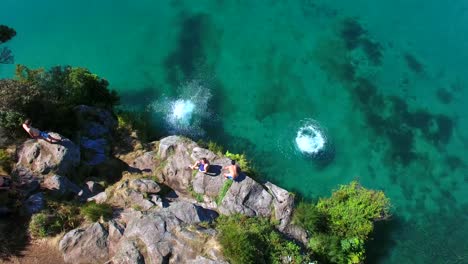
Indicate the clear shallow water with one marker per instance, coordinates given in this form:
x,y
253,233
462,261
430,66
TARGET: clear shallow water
x,y
397,121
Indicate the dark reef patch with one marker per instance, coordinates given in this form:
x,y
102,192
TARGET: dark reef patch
x,y
454,162
413,64
373,50
398,123
352,33
355,36
189,53
444,96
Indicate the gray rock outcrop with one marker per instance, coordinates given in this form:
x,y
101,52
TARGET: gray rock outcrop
x,y
60,186
85,245
96,129
41,157
245,196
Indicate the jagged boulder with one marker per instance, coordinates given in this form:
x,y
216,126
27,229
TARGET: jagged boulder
x,y
60,186
128,253
145,163
96,128
85,245
245,196
35,203
41,157
144,186
127,197
165,235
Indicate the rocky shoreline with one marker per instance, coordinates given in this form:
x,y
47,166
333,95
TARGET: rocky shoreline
x,y
161,209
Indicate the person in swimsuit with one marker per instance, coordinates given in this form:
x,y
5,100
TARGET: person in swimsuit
x,y
233,171
36,133
202,165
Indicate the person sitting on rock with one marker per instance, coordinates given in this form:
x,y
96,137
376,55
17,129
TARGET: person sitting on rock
x,y
202,165
233,171
36,133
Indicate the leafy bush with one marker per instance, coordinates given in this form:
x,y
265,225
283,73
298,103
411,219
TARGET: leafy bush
x,y
255,240
5,161
307,216
341,224
129,120
57,217
38,227
93,211
352,210
48,97
6,33
17,100
70,86
212,146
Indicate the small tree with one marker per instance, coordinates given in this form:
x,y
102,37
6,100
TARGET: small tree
x,y
340,225
6,33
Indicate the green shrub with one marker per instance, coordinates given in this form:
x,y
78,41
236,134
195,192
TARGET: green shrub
x,y
55,218
93,211
17,100
38,227
5,161
307,216
212,146
133,120
70,86
341,224
352,210
6,33
222,192
255,240
48,98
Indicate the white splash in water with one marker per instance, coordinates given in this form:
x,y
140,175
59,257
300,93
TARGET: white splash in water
x,y
182,111
185,114
310,139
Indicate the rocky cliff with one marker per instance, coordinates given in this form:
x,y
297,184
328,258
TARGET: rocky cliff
x,y
160,205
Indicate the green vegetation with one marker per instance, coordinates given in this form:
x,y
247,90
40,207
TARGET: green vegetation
x,y
222,192
133,120
57,217
340,225
60,216
48,97
6,34
212,146
197,196
255,240
5,161
93,211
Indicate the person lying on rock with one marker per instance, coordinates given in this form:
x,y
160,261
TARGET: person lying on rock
x,y
202,165
36,133
233,171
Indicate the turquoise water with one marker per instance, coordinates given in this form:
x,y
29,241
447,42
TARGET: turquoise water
x,y
386,82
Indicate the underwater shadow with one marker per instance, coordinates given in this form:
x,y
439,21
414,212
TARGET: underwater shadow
x,y
380,242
